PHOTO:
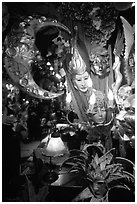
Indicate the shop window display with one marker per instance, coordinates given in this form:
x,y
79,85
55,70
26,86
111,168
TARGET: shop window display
x,y
69,73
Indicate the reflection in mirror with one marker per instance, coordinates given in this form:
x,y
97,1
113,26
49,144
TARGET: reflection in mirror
x,y
44,41
53,43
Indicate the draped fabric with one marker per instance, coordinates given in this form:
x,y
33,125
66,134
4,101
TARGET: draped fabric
x,y
84,98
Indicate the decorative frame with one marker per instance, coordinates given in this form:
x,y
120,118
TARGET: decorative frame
x,y
21,52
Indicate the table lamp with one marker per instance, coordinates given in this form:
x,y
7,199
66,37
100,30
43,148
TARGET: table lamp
x,y
55,147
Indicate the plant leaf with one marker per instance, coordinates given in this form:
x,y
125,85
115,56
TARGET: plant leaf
x,y
107,157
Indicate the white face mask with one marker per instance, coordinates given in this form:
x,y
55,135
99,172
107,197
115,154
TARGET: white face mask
x,y
82,81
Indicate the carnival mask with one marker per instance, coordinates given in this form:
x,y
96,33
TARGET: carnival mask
x,y
82,82
97,107
99,188
99,59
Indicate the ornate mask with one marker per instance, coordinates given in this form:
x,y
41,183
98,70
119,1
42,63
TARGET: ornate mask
x,y
97,107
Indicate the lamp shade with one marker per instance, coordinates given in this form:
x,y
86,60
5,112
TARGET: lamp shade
x,y
55,146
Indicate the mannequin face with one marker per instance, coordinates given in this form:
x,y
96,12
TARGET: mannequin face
x,y
98,115
82,81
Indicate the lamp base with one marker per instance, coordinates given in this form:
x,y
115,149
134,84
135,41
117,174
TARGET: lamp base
x,y
51,177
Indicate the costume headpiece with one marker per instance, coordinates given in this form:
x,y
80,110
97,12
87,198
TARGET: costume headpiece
x,y
80,59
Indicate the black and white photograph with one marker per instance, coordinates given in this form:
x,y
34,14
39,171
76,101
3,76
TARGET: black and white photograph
x,y
68,101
